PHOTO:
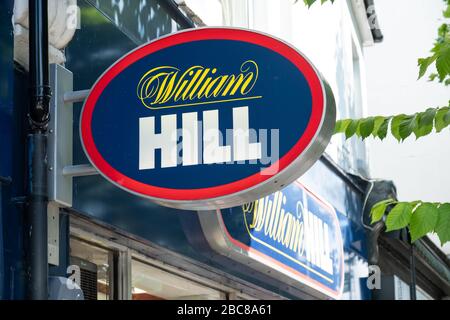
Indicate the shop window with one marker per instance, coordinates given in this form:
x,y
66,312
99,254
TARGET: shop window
x,y
355,278
96,269
152,283
402,292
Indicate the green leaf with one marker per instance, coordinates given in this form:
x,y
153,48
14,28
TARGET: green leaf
x,y
399,216
382,131
309,3
351,129
377,122
407,126
424,63
443,61
442,119
342,125
432,77
402,126
423,220
442,31
395,126
425,121
366,127
446,12
443,224
378,210
415,203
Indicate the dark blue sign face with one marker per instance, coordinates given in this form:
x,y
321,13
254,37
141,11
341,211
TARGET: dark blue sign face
x,y
207,118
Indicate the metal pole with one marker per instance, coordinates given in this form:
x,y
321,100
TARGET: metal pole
x,y
412,266
80,170
40,93
76,96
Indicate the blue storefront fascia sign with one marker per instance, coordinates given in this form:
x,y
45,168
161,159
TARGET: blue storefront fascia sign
x,y
207,118
292,235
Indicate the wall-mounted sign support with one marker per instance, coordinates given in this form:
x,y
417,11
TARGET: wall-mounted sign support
x,y
79,170
60,137
60,158
75,96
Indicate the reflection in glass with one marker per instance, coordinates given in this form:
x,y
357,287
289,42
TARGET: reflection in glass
x,y
356,272
96,269
151,283
141,21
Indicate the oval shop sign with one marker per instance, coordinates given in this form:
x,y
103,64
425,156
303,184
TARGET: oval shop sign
x,y
293,234
207,118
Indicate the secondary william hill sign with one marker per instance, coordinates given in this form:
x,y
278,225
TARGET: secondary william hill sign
x,y
207,118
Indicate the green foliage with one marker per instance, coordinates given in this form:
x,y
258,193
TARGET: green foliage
x,y
424,64
351,129
423,221
421,124
309,3
447,11
366,127
399,217
341,126
379,123
407,126
382,131
443,224
379,209
440,56
425,122
402,126
420,217
442,119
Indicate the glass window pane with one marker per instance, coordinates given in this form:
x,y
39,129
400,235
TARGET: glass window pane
x,y
96,269
356,272
151,283
402,291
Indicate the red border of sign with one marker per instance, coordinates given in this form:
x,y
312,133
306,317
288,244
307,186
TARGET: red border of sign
x,y
335,294
197,35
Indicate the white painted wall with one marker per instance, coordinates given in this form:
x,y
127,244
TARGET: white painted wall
x,y
420,169
326,35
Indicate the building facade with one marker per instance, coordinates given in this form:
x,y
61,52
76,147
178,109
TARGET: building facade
x,y
121,246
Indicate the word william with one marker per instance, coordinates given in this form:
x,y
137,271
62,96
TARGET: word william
x,y
213,150
169,85
301,232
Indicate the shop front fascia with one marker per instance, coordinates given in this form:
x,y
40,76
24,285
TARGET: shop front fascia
x,y
176,238
98,207
162,233
431,269
122,239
